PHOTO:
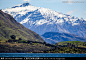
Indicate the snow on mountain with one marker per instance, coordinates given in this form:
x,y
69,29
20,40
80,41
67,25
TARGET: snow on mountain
x,y
41,20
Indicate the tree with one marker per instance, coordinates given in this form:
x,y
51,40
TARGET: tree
x,y
56,44
44,42
13,37
20,39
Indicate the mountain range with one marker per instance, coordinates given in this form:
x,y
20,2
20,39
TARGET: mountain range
x,y
42,20
55,37
9,26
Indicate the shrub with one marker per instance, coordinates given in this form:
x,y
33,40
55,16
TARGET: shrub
x,y
20,39
13,37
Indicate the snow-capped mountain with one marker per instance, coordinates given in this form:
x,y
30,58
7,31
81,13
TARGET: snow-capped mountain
x,y
41,20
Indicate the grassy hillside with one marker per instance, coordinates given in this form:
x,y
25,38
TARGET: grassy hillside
x,y
76,43
22,46
69,47
9,26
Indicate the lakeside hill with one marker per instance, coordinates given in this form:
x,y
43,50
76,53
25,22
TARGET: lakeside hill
x,y
69,47
9,26
22,46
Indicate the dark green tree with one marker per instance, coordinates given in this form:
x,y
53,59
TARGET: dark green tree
x,y
44,42
13,37
20,39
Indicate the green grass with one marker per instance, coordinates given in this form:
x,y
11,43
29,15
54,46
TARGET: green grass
x,y
72,42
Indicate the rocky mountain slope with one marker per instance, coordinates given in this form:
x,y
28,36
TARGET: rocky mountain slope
x,y
41,20
9,26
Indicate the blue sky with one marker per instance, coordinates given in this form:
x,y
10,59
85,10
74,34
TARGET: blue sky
x,y
76,8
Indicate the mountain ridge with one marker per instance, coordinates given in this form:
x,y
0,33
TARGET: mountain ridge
x,y
55,37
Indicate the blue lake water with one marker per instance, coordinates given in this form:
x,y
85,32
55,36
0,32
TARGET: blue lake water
x,y
41,55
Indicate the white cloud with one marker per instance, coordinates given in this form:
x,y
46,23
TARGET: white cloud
x,y
84,13
27,0
85,19
71,12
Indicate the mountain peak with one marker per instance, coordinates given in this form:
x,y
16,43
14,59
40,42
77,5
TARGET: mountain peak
x,y
25,4
22,5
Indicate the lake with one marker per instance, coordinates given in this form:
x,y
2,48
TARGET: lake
x,y
41,55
